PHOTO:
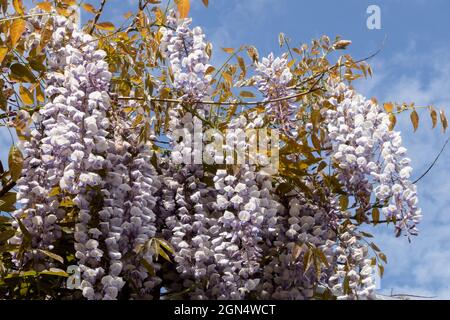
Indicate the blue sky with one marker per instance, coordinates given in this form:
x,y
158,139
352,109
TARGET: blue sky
x,y
413,66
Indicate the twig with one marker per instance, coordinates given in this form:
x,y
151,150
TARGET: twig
x,y
26,16
245,103
434,162
97,16
7,188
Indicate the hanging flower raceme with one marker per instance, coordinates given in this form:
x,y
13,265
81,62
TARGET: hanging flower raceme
x,y
369,157
73,150
273,79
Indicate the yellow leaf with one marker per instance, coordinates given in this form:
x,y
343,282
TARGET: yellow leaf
x,y
16,31
3,52
228,77
183,8
15,163
89,8
63,12
18,6
55,191
108,26
389,107
228,50
26,95
415,120
39,94
247,94
46,6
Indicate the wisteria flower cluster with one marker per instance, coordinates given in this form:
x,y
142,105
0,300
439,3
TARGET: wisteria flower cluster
x,y
144,223
273,80
75,150
370,157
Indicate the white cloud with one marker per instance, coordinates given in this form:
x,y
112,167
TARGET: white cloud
x,y
419,267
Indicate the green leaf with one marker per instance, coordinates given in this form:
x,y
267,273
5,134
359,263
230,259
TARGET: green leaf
x,y
21,274
343,201
21,73
54,191
149,267
307,260
374,247
52,255
319,253
166,245
7,202
66,203
55,272
163,254
25,232
15,162
7,234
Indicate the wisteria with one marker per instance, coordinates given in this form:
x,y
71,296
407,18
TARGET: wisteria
x,y
273,80
115,170
370,157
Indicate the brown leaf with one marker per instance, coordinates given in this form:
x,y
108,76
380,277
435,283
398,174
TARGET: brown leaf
x,y
415,120
375,216
433,115
16,31
246,94
444,120
205,2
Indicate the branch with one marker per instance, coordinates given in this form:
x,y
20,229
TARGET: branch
x,y
97,16
434,162
26,16
7,188
245,103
